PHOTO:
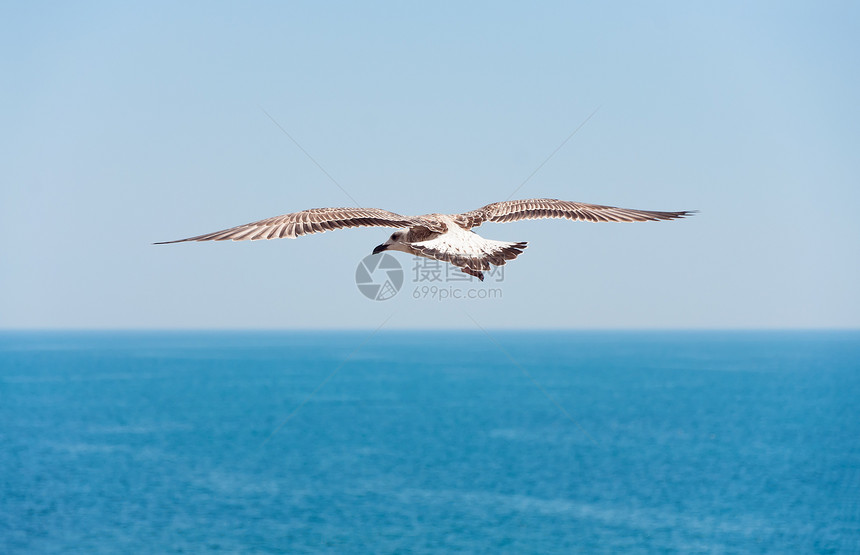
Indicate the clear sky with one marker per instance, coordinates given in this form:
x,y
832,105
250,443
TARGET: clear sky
x,y
128,123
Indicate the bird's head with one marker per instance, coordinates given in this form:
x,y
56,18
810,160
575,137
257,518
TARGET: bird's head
x,y
394,243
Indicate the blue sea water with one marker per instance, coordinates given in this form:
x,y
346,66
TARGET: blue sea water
x,y
411,442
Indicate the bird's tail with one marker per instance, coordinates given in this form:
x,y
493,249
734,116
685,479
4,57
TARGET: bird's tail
x,y
496,253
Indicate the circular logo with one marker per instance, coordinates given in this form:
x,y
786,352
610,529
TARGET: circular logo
x,y
379,276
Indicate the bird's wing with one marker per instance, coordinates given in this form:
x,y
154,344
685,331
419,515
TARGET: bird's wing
x,y
537,208
315,220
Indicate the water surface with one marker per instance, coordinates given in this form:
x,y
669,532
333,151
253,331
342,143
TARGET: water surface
x,y
429,441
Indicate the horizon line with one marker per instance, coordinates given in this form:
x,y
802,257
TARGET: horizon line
x,y
432,329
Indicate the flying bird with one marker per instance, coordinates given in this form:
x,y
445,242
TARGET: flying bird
x,y
445,237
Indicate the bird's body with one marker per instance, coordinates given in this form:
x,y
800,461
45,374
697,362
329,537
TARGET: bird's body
x,y
438,236
461,247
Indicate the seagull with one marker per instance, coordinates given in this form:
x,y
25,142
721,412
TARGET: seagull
x,y
445,237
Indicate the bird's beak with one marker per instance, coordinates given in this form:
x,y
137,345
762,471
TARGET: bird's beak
x,y
380,248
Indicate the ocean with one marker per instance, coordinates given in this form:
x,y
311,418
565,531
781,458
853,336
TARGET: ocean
x,y
426,442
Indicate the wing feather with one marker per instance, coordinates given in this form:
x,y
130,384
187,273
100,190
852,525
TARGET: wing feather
x,y
315,220
539,208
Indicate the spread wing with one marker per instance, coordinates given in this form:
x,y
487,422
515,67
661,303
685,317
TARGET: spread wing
x,y
315,220
538,208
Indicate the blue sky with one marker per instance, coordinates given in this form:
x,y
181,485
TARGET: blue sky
x,y
128,124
